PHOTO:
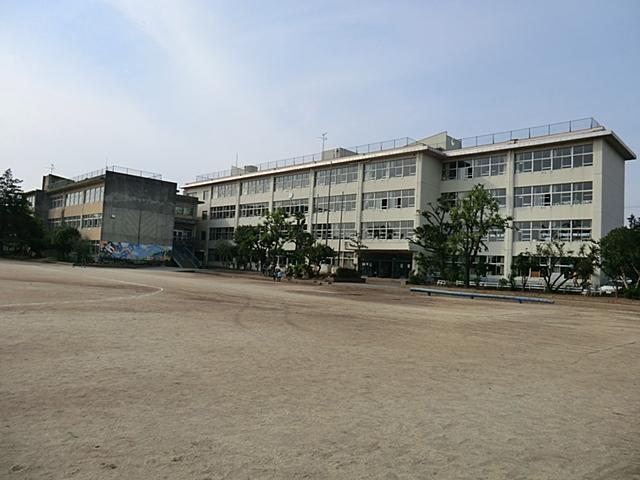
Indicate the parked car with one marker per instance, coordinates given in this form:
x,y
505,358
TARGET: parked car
x,y
608,289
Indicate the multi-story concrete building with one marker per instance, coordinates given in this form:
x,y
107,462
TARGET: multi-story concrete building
x,y
562,181
127,214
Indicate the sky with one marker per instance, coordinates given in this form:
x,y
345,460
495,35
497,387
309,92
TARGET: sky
x,y
184,87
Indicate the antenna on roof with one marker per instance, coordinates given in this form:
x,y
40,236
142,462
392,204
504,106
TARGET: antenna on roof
x,y
236,159
51,168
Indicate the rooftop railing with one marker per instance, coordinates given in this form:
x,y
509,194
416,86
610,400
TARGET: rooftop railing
x,y
477,141
312,158
530,132
102,171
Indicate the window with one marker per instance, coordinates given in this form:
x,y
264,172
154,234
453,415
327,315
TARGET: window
x,y
393,230
93,195
452,198
74,198
334,231
224,190
544,231
405,167
204,194
204,214
184,211
582,192
345,202
221,233
73,221
295,205
92,220
389,199
261,185
56,202
203,235
561,194
224,211
541,195
582,155
54,223
556,159
336,176
289,182
494,263
474,168
254,209
495,236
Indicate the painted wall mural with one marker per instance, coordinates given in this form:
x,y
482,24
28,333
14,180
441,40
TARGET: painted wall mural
x,y
135,251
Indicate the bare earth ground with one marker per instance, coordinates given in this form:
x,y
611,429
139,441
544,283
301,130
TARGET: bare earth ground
x,y
136,374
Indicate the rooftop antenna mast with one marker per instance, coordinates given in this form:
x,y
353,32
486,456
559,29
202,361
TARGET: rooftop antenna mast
x,y
51,168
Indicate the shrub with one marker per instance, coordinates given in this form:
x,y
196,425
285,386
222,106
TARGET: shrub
x,y
632,292
417,278
347,273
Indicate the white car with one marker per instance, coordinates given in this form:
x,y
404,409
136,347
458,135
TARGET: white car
x,y
608,289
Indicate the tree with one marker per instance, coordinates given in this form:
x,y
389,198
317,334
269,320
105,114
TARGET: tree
x,y
320,252
226,251
64,240
248,246
620,250
300,237
586,262
634,222
473,218
356,244
20,231
438,253
522,265
274,233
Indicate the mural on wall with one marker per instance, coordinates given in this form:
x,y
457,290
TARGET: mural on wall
x,y
134,251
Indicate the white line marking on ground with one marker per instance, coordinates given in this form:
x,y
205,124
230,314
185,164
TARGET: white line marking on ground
x,y
65,302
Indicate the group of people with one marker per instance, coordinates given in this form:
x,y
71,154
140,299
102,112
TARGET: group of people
x,y
275,272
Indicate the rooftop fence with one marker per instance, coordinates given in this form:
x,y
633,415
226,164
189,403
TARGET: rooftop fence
x,y
102,171
477,141
530,132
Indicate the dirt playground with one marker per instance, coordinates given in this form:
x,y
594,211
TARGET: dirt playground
x,y
157,374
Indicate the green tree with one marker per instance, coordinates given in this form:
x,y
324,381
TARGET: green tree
x,y
356,244
620,250
20,230
586,262
249,247
302,240
320,252
274,233
521,267
226,251
473,218
634,222
64,240
438,254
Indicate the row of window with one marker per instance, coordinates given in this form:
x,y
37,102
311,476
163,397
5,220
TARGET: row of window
x,y
374,200
558,194
93,220
474,168
184,211
555,159
90,195
452,198
334,176
563,230
391,230
389,199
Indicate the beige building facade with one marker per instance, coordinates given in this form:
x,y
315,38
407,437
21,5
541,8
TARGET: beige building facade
x,y
562,181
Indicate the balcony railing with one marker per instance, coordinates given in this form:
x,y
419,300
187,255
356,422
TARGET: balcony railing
x,y
102,171
530,132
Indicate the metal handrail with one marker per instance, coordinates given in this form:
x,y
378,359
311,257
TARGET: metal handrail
x,y
102,171
530,132
312,158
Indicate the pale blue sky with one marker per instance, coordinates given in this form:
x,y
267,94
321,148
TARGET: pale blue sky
x,y
181,87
